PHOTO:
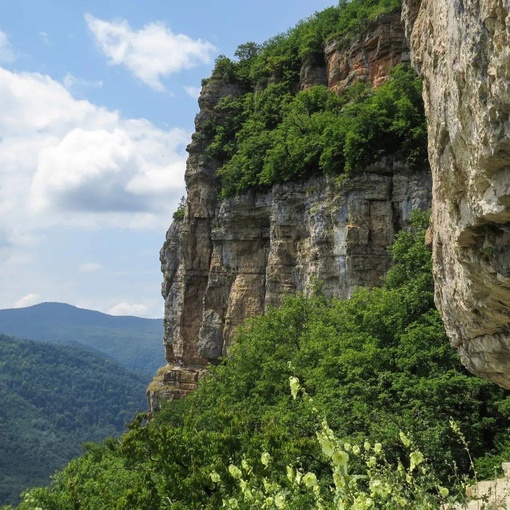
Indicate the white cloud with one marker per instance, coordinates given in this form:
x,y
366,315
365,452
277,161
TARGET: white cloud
x,y
109,170
35,104
6,53
65,161
71,83
28,300
137,309
150,53
44,37
89,267
194,92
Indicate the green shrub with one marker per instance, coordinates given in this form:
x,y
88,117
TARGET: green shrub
x,y
272,136
180,211
381,484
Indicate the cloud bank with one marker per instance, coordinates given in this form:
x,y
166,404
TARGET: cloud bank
x,y
65,161
28,300
70,169
136,309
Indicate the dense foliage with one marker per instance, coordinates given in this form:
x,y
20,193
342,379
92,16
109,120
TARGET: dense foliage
x,y
279,59
132,341
382,485
272,136
52,399
270,133
376,364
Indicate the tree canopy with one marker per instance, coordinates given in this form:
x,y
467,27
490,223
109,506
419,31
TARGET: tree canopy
x,y
52,399
273,133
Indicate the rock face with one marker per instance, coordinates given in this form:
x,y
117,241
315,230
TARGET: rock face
x,y
488,493
369,57
462,50
229,260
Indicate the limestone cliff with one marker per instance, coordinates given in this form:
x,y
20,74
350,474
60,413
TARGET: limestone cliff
x,y
462,50
228,260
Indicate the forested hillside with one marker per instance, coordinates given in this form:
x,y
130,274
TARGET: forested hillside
x,y
132,341
53,399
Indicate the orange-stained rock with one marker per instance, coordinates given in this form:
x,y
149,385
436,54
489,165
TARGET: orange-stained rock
x,y
370,56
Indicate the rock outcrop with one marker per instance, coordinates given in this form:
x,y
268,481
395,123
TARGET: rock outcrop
x,y
490,494
370,56
462,51
231,259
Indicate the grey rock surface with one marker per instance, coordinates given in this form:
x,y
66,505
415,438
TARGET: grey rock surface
x,y
462,51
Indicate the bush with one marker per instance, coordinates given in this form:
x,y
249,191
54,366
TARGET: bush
x,y
273,137
380,484
180,211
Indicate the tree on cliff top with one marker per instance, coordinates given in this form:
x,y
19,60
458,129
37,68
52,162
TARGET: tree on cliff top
x,y
272,133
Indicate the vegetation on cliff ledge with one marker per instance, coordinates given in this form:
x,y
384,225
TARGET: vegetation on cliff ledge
x,y
273,136
280,58
269,133
375,365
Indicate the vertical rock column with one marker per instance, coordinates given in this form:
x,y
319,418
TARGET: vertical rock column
x,y
186,260
462,50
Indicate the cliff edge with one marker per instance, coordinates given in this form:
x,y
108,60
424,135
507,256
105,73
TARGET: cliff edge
x,y
231,258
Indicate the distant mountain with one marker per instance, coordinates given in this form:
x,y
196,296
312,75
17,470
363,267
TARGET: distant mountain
x,y
135,342
53,398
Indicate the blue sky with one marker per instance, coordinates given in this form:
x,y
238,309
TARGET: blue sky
x,y
98,102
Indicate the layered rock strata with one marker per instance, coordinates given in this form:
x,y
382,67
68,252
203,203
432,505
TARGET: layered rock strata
x,y
462,51
229,260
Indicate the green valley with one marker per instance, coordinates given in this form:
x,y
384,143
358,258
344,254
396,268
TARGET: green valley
x,y
53,398
132,341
